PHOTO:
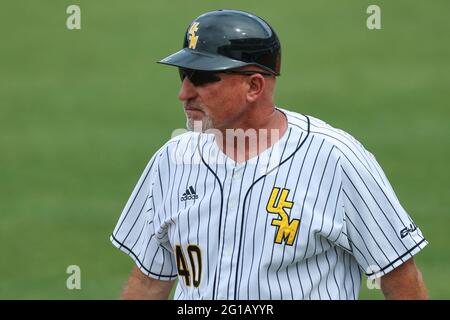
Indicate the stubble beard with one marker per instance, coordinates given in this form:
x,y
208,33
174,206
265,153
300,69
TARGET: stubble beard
x,y
199,125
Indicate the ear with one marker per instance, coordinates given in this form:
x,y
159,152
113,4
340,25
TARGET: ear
x,y
256,86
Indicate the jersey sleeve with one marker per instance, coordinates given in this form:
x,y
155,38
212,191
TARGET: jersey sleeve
x,y
379,232
134,233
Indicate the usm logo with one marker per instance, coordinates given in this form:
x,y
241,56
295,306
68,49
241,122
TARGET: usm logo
x,y
193,38
286,231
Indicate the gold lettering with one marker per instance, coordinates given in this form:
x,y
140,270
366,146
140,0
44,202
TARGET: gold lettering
x,y
286,231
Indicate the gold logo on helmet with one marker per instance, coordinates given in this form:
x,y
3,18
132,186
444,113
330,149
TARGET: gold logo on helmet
x,y
192,37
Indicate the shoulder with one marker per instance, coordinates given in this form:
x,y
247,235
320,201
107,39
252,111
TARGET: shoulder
x,y
184,143
173,151
346,145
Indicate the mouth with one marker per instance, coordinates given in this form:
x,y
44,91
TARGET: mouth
x,y
192,109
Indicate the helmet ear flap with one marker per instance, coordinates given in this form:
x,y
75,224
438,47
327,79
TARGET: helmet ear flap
x,y
278,63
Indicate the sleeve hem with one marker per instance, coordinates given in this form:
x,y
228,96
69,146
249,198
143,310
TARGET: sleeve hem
x,y
399,261
139,264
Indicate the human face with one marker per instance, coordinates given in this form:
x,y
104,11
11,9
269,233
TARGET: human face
x,y
215,104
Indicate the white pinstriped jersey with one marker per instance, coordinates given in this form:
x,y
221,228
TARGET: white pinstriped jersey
x,y
302,220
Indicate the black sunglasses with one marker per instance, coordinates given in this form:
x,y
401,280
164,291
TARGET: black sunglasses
x,y
200,78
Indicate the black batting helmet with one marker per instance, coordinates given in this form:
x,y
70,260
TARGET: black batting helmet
x,y
228,39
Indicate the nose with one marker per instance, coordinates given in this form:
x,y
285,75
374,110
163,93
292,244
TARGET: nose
x,y
187,90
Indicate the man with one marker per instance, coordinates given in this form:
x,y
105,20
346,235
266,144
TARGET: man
x,y
258,202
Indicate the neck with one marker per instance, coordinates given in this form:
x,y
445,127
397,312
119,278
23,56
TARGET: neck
x,y
257,131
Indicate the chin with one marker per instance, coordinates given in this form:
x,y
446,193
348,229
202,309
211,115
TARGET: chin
x,y
199,125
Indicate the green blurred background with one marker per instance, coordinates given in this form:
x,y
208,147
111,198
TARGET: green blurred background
x,y
81,112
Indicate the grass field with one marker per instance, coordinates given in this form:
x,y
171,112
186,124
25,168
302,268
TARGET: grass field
x,y
82,111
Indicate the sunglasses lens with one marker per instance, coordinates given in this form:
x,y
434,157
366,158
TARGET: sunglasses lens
x,y
198,78
182,73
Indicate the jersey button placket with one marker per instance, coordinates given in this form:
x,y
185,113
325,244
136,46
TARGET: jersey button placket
x,y
232,204
230,220
237,175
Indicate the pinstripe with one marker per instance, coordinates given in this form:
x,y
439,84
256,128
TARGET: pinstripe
x,y
328,273
161,190
185,203
314,207
217,274
163,262
351,273
225,226
246,224
256,222
254,230
169,183
319,190
179,295
301,219
200,201
338,287
208,246
209,216
153,206
343,253
326,166
336,204
235,225
265,228
146,250
173,184
178,203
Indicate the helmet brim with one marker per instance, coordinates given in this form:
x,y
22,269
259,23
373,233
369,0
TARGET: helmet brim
x,y
197,60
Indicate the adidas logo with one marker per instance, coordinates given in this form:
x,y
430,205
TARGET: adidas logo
x,y
189,194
